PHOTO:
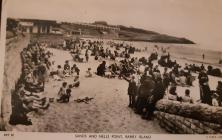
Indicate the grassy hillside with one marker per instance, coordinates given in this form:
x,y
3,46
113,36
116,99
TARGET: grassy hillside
x,y
127,33
131,33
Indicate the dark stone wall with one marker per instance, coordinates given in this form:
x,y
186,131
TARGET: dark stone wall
x,y
185,118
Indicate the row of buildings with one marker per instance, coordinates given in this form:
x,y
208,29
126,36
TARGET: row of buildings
x,y
53,27
99,25
38,26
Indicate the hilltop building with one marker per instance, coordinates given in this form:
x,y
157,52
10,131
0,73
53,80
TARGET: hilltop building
x,y
38,26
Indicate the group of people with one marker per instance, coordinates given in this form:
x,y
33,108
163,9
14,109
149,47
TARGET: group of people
x,y
208,96
143,75
65,90
37,68
148,83
160,85
28,93
66,71
60,74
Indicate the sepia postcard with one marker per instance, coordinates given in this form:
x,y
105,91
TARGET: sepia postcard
x,y
111,69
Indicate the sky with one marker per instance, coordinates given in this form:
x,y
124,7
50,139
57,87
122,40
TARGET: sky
x,y
197,20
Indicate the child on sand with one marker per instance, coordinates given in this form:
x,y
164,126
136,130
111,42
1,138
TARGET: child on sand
x,y
62,92
66,69
59,74
75,70
89,73
68,94
76,82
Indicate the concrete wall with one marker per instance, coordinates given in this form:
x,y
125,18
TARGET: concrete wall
x,y
12,71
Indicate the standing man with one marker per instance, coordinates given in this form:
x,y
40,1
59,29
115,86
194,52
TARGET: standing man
x,y
87,55
132,89
64,44
207,94
203,78
203,56
157,94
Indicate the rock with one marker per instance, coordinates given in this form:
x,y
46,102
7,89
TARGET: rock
x,y
200,112
182,125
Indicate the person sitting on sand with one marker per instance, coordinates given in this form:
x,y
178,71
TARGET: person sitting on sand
x,y
189,78
76,82
219,92
66,68
172,77
59,73
32,84
172,94
62,92
215,97
77,58
41,74
124,71
52,69
112,69
68,94
32,102
101,69
181,80
109,73
187,98
88,73
75,70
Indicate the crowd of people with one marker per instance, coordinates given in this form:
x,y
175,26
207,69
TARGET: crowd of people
x,y
149,85
150,79
125,66
28,93
37,68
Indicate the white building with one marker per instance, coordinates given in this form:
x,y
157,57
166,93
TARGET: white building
x,y
37,26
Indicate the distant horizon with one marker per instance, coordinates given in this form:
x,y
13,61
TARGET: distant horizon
x,y
199,22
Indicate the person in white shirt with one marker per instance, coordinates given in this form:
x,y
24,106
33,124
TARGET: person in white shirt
x,y
88,73
215,99
187,98
172,94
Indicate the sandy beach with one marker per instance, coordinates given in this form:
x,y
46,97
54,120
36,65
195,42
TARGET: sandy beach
x,y
107,112
111,67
